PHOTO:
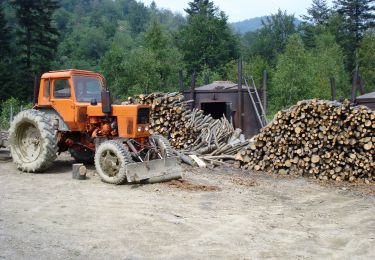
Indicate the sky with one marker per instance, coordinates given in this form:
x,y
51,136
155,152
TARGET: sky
x,y
239,10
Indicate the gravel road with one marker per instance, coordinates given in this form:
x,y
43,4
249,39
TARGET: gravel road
x,y
213,214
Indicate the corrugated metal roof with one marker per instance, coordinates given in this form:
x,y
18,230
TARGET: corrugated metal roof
x,y
219,85
367,96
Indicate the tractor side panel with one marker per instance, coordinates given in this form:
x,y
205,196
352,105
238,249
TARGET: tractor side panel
x,y
81,117
126,119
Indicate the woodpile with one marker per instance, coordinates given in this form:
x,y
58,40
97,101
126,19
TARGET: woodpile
x,y
326,140
168,116
3,139
214,138
191,131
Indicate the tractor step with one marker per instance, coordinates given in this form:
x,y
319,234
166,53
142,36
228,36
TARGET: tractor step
x,y
153,171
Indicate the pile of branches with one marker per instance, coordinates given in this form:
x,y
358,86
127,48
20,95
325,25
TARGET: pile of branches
x,y
191,131
322,139
213,136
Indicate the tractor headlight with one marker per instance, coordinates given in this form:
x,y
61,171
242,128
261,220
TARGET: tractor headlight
x,y
147,128
139,129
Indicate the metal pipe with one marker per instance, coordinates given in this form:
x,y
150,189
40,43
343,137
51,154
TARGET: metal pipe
x,y
240,95
36,90
192,89
354,85
264,92
131,146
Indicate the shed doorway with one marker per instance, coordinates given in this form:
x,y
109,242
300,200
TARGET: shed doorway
x,y
216,109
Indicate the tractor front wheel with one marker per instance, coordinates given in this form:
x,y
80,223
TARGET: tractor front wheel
x,y
111,159
163,146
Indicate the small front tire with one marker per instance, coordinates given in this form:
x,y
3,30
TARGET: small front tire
x,y
163,145
111,159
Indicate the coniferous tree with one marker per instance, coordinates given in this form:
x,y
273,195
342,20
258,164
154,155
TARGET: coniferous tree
x,y
5,58
271,39
206,39
37,38
4,35
315,22
366,54
358,17
318,13
204,7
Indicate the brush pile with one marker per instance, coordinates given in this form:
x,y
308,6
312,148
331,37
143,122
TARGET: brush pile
x,y
326,140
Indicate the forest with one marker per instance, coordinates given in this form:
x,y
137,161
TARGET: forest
x,y
142,49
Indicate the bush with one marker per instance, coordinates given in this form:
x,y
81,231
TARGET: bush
x,y
10,108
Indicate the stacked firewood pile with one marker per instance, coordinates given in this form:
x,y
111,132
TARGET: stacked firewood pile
x,y
168,116
3,139
326,140
190,131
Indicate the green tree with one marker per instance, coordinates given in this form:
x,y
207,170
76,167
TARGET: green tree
x,y
315,22
153,66
206,74
367,60
202,7
271,39
293,76
5,58
138,17
206,39
114,69
318,13
155,38
305,74
328,62
251,67
159,42
358,16
37,38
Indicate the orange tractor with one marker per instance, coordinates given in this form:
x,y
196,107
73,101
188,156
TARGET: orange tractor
x,y
74,113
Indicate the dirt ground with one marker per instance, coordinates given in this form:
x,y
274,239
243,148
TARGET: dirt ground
x,y
212,214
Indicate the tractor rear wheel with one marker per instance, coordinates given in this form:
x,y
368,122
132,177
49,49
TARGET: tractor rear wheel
x,y
163,146
82,156
111,159
32,141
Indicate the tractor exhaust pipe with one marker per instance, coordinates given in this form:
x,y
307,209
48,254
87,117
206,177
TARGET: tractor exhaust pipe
x,y
36,91
106,99
106,102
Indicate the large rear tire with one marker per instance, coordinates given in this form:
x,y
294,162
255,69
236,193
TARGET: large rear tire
x,y
163,146
111,159
33,143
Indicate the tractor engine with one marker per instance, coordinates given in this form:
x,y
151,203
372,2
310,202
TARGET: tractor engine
x,y
102,127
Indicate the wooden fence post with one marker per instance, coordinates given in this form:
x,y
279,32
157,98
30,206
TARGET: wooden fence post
x,y
333,88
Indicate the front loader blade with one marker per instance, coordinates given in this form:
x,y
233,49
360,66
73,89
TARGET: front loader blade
x,y
153,171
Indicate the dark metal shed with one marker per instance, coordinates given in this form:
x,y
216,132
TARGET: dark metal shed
x,y
367,100
222,97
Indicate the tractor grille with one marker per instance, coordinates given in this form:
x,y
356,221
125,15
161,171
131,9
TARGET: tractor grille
x,y
143,116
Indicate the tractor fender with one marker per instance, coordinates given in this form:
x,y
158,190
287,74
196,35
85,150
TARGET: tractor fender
x,y
55,118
